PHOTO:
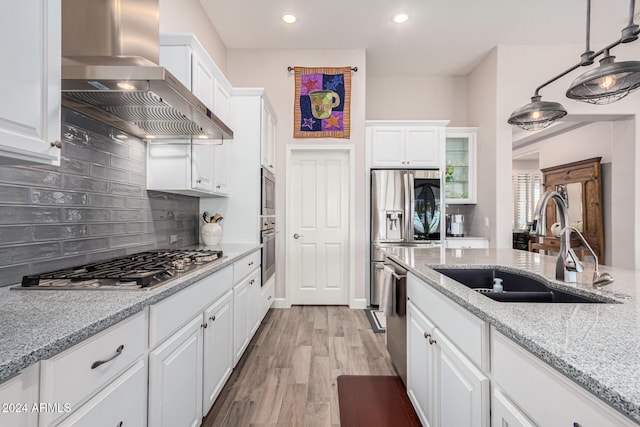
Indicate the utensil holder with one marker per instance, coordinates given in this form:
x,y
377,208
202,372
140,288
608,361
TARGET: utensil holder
x,y
211,233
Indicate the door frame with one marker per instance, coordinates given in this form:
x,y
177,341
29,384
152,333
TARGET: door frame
x,y
350,151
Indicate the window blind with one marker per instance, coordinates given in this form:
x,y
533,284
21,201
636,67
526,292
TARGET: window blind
x,y
527,189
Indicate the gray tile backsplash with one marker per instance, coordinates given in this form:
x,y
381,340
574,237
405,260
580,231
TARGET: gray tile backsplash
x,y
94,206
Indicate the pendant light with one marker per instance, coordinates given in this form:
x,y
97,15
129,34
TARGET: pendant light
x,y
608,83
537,114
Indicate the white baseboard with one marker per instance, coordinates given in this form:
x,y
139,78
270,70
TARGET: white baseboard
x,y
280,303
358,304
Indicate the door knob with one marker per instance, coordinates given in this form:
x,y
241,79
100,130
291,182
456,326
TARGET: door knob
x,y
297,236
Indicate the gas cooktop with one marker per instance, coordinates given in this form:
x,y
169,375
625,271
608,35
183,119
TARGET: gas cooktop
x,y
137,271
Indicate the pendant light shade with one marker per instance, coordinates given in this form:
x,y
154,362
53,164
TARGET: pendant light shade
x,y
608,83
537,114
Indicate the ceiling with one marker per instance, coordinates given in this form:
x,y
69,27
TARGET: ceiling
x,y
440,37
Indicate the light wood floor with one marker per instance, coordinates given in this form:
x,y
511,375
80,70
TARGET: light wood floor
x,y
287,376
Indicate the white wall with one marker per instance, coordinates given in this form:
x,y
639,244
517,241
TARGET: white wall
x,y
268,69
481,112
188,16
417,98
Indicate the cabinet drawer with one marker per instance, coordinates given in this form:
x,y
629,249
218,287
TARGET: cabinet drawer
x,y
121,403
245,266
170,314
469,333
546,395
75,374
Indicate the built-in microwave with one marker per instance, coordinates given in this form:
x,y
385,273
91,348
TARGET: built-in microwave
x,y
268,198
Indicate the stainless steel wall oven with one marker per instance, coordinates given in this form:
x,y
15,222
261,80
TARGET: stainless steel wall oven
x,y
268,240
268,198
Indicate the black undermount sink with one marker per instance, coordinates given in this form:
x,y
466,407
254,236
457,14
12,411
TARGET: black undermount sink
x,y
516,287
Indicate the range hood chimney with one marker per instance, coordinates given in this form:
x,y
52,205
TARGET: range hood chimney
x,y
110,72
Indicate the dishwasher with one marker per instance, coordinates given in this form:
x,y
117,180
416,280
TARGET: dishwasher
x,y
397,323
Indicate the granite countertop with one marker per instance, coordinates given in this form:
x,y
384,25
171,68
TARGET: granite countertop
x,y
38,324
596,345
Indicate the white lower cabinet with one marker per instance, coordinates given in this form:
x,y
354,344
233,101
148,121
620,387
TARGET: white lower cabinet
x,y
175,379
268,293
18,397
218,349
546,396
445,387
246,312
505,414
80,372
121,403
420,365
193,360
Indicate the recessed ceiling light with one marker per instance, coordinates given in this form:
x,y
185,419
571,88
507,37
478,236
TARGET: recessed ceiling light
x,y
401,18
289,18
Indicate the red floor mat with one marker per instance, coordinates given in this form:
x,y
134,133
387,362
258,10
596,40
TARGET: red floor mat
x,y
374,401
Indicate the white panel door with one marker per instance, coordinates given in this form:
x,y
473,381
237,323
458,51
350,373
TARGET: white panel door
x,y
202,166
420,386
30,108
202,81
318,227
505,414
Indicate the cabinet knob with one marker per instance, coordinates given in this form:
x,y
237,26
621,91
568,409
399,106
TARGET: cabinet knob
x,y
252,281
431,341
408,162
204,325
251,263
427,336
271,166
403,162
269,297
120,424
575,424
212,318
217,186
57,143
198,181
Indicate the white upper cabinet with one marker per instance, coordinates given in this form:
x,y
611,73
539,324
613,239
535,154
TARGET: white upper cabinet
x,y
198,167
461,163
268,137
406,144
188,61
30,110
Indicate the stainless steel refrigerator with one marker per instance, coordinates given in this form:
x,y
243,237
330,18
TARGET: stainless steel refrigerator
x,y
406,209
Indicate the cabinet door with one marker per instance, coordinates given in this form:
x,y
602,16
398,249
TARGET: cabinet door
x,y
20,393
30,112
240,319
267,143
220,174
387,146
221,101
460,159
121,403
255,303
419,364
505,414
267,291
175,379
218,349
202,166
462,389
422,147
202,81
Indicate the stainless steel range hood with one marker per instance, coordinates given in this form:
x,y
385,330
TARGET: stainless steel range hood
x,y
110,71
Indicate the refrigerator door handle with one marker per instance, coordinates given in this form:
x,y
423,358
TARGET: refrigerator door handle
x,y
412,205
408,235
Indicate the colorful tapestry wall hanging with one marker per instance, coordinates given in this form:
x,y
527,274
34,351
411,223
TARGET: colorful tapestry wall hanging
x,y
322,102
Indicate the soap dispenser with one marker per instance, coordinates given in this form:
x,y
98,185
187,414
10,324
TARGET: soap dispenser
x,y
497,285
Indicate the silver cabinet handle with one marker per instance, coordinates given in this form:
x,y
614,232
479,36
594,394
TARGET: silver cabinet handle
x,y
427,336
94,365
297,236
431,341
57,143
212,318
204,325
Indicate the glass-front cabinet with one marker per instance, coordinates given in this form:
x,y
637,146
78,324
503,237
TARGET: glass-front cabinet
x,y
460,166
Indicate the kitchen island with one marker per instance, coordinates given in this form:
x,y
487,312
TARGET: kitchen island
x,y
38,324
595,345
